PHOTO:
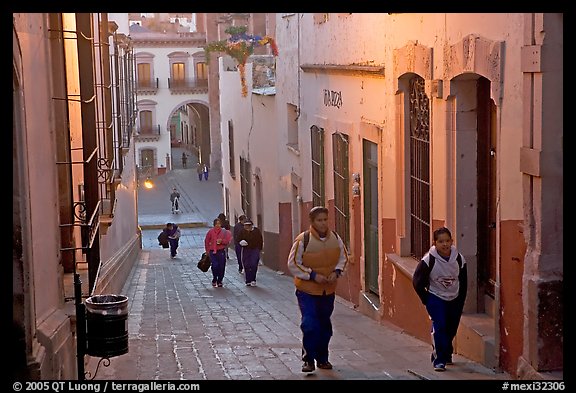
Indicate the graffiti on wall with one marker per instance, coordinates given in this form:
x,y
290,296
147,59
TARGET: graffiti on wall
x,y
332,98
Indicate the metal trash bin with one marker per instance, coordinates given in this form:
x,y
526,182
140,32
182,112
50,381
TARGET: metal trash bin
x,y
107,325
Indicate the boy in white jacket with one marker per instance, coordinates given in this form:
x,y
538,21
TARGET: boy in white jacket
x,y
440,280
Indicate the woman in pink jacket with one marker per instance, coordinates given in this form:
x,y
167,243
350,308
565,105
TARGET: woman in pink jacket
x,y
215,243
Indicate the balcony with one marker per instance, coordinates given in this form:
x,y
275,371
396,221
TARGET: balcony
x,y
148,133
146,87
188,86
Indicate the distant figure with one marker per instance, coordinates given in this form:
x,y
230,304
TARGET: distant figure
x,y
199,170
206,170
225,225
237,247
184,159
174,199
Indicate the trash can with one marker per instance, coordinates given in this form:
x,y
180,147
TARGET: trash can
x,y
107,325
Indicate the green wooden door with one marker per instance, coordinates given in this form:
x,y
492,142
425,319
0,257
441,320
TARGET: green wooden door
x,y
370,192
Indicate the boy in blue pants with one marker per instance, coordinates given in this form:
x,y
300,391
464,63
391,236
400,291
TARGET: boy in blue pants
x,y
440,280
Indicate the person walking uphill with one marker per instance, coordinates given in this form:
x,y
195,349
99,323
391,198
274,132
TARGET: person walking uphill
x,y
215,243
440,280
184,159
237,247
250,239
175,200
317,259
199,171
172,232
225,225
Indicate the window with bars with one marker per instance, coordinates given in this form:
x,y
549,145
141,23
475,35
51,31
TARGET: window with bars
x,y
245,186
318,194
419,168
340,146
231,148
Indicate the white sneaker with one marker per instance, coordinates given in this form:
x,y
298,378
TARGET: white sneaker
x,y
253,283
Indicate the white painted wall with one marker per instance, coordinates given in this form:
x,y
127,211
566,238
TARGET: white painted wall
x,y
256,132
121,20
288,84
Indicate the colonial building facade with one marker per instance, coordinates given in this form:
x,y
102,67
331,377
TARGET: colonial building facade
x,y
172,89
400,124
74,181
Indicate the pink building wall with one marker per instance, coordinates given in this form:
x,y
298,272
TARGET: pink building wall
x,y
50,343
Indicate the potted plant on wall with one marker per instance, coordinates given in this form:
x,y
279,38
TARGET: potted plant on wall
x,y
240,46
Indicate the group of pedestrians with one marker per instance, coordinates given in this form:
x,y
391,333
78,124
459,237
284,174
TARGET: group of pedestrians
x,y
201,168
202,171
317,259
248,244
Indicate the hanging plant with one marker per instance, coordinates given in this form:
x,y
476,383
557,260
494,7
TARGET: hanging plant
x,y
240,46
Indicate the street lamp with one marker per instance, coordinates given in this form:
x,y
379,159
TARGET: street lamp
x,y
148,183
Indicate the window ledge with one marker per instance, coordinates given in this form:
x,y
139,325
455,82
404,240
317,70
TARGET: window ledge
x,y
406,265
293,147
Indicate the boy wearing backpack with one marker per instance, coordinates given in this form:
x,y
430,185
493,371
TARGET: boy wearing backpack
x,y
440,280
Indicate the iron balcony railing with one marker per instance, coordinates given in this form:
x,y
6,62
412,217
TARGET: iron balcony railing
x,y
147,85
149,130
192,84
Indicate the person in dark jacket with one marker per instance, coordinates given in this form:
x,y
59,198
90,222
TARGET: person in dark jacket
x,y
184,159
200,170
440,280
237,247
250,239
172,232
225,225
224,221
175,200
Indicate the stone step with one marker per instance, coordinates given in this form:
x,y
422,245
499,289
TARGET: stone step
x,y
476,339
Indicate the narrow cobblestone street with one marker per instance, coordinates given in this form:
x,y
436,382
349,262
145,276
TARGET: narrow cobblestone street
x,y
181,328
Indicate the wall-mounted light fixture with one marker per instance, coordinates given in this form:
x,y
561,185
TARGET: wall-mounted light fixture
x,y
148,183
356,184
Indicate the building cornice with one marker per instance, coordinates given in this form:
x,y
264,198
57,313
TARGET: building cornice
x,y
184,43
195,40
343,69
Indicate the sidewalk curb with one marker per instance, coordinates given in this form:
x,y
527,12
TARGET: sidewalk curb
x,y
180,225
